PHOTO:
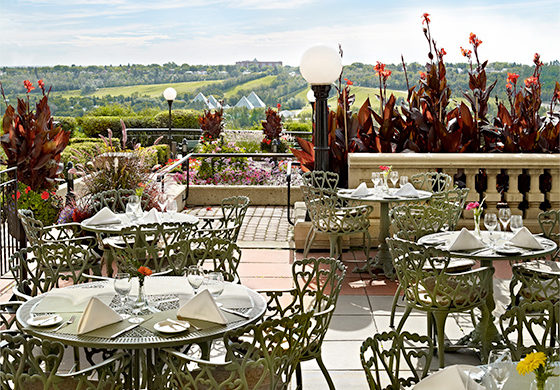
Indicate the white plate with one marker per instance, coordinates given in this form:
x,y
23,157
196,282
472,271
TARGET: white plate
x,y
508,250
45,320
169,327
434,241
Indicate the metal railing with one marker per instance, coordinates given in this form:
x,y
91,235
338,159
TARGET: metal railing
x,y
12,235
184,163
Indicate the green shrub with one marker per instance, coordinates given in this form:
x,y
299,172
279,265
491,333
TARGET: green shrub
x,y
92,126
81,152
209,166
297,126
68,123
162,151
181,119
80,140
112,110
45,205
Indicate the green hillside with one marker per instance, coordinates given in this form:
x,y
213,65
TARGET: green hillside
x,y
151,90
249,86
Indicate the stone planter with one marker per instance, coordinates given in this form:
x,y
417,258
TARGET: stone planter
x,y
259,195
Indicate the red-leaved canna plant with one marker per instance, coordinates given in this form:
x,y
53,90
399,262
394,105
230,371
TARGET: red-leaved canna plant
x,y
211,124
32,142
521,128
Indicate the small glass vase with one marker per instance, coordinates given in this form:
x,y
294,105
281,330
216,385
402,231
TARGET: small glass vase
x,y
550,384
385,184
140,302
477,225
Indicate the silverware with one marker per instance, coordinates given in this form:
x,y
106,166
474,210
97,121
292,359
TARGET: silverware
x,y
65,324
128,328
231,311
184,326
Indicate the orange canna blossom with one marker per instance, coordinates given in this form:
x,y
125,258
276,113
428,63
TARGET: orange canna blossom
x,y
442,52
473,40
466,53
531,82
28,85
425,18
41,84
144,271
379,67
422,75
512,78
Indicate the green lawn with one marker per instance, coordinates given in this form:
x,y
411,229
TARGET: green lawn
x,y
152,90
250,85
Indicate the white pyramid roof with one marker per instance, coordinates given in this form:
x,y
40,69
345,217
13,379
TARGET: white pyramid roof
x,y
244,102
200,98
255,100
213,101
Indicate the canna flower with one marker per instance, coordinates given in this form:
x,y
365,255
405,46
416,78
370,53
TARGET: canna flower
x,y
466,53
380,67
531,82
442,52
509,86
531,362
45,195
27,84
385,74
348,82
512,78
425,18
41,84
144,271
473,40
422,75
537,59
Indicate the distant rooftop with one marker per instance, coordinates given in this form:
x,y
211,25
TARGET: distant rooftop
x,y
260,64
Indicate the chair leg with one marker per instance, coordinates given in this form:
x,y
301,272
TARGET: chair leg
x,y
308,241
430,325
299,378
394,306
403,319
440,318
333,241
325,372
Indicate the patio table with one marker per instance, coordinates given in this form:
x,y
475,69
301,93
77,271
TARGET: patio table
x,y
144,341
113,229
486,256
383,258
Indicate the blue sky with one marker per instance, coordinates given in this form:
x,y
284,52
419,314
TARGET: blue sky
x,y
83,32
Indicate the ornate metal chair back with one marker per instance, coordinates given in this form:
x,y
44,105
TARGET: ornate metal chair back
x,y
432,181
321,179
452,201
408,352
531,282
234,210
530,321
115,200
40,268
413,221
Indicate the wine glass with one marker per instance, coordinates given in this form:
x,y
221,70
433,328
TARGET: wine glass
x,y
394,177
122,287
171,206
491,223
504,215
516,223
403,180
500,363
376,179
195,276
214,283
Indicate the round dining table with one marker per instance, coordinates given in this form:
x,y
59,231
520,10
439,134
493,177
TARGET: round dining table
x,y
382,260
241,306
495,248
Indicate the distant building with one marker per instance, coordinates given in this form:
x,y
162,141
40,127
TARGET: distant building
x,y
255,100
200,98
260,64
244,102
213,103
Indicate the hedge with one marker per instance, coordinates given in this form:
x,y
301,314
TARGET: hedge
x,y
80,152
68,123
180,119
297,126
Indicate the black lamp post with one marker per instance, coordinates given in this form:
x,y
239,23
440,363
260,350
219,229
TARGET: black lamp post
x,y
169,94
311,100
321,66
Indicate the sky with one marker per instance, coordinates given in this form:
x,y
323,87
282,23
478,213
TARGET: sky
x,y
113,32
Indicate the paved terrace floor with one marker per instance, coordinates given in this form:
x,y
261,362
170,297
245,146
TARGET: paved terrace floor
x,y
363,307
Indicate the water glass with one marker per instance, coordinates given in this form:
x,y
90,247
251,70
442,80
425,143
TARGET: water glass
x,y
171,206
403,180
214,283
122,287
376,179
161,201
500,363
516,223
394,177
504,215
195,276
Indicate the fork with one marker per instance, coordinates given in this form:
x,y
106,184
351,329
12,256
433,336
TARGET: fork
x,y
64,324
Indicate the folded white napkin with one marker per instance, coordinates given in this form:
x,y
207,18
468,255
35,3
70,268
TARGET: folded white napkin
x,y
465,241
362,190
151,216
235,296
407,191
525,239
202,307
103,217
71,300
452,377
97,315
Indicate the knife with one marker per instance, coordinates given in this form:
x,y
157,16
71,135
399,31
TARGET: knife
x,y
128,328
235,312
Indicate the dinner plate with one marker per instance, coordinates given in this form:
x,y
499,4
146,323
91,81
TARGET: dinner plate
x,y
166,326
508,250
434,240
44,321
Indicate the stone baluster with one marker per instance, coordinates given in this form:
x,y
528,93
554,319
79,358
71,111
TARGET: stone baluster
x,y
513,196
470,174
535,196
492,194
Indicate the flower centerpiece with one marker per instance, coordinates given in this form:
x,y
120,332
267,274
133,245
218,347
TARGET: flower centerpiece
x,y
386,170
142,272
538,363
477,212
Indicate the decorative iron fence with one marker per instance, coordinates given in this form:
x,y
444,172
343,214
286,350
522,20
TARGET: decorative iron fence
x,y
12,236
